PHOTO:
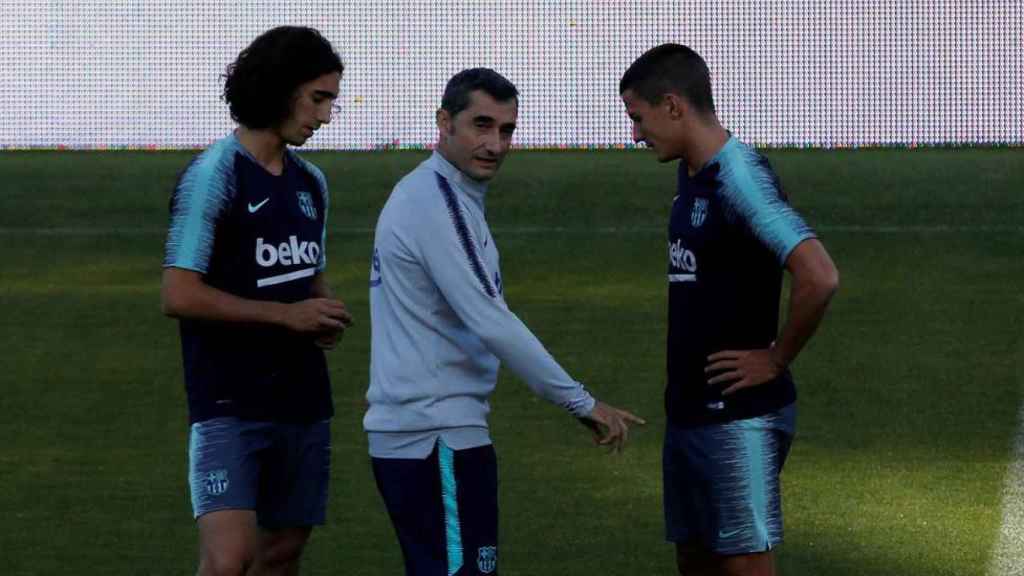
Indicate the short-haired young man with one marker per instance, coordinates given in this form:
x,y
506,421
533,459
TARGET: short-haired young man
x,y
730,397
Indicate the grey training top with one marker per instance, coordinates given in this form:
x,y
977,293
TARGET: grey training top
x,y
440,324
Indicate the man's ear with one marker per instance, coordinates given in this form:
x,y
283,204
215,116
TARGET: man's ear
x,y
444,121
676,106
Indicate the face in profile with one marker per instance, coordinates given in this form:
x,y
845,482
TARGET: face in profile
x,y
477,139
311,108
653,125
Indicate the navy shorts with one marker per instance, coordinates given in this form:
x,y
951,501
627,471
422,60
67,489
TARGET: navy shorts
x,y
444,509
721,483
278,470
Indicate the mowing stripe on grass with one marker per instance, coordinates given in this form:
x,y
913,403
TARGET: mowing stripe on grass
x,y
1008,554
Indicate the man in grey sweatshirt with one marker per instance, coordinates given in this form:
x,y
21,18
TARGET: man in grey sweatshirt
x,y
440,329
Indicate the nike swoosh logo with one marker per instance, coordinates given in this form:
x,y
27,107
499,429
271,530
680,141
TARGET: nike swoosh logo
x,y
729,534
253,209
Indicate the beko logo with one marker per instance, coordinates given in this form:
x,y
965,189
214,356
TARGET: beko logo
x,y
289,253
681,258
683,263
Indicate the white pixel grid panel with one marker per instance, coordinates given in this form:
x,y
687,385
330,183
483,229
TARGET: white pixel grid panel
x,y
143,74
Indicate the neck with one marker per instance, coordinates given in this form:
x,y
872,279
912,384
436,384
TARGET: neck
x,y
708,137
469,183
265,146
443,151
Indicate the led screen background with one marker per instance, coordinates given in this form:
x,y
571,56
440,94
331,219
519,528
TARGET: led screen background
x,y
146,73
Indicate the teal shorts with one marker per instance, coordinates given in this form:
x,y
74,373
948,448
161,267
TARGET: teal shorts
x,y
278,470
721,483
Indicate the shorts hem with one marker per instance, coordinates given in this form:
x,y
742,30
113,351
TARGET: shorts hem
x,y
740,551
735,551
197,515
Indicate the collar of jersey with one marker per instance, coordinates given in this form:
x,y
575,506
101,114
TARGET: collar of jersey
x,y
710,168
457,178
237,145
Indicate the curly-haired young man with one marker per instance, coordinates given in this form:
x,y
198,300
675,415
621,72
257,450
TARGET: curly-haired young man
x,y
244,274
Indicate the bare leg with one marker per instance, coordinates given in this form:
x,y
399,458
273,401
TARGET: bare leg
x,y
761,564
228,541
280,551
694,560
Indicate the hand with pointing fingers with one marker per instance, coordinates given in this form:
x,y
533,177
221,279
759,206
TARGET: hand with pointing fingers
x,y
610,425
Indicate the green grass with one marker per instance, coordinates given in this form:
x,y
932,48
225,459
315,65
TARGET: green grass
x,y
909,392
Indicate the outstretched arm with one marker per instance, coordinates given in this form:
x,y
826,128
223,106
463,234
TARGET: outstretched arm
x,y
448,250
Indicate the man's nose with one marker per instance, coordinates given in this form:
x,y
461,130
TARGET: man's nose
x,y
493,142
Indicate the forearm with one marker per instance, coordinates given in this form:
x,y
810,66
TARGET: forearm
x,y
807,304
201,301
320,288
517,347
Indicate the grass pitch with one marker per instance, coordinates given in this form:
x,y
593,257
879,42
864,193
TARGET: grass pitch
x,y
908,393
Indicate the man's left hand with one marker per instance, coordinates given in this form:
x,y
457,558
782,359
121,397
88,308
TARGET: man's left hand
x,y
743,368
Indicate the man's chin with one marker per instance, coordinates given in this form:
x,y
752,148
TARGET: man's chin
x,y
664,157
481,175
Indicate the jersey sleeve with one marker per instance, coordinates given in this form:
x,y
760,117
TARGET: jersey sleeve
x,y
202,194
450,255
750,194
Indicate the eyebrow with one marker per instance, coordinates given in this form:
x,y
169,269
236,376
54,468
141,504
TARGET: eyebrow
x,y
491,120
325,94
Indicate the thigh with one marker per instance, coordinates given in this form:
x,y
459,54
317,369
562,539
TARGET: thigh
x,y
760,564
686,492
295,471
476,509
444,510
722,483
411,490
228,541
224,465
744,462
695,560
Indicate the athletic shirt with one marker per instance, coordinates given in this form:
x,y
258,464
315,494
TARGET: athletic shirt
x,y
730,233
260,237
440,324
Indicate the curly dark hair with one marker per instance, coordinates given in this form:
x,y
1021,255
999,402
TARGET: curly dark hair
x,y
670,68
259,86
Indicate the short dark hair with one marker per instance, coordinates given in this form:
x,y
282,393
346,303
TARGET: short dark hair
x,y
670,68
458,89
260,84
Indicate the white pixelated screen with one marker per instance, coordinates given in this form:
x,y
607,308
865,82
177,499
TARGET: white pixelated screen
x,y
146,74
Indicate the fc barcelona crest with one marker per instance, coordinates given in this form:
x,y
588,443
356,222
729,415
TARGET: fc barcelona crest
x,y
487,559
216,482
306,203
700,212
